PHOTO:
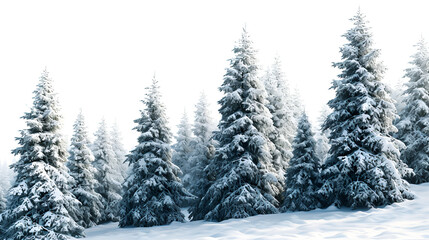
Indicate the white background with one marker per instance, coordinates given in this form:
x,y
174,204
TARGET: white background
x,y
102,54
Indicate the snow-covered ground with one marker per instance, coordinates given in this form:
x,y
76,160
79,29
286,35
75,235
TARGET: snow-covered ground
x,y
407,220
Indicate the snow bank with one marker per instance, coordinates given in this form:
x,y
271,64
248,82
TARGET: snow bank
x,y
407,220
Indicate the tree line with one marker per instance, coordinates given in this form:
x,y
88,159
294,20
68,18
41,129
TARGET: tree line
x,y
263,156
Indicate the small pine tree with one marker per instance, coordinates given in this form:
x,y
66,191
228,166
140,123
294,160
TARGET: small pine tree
x,y
119,150
152,192
398,94
414,122
108,176
183,150
82,171
40,206
246,180
203,149
302,176
363,168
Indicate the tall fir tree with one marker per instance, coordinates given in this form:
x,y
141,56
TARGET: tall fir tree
x,y
82,172
153,192
363,168
203,148
280,106
303,173
414,122
40,205
183,150
119,150
246,178
108,176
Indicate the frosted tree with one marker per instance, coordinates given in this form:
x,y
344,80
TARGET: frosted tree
x,y
398,94
414,122
302,175
40,206
82,171
281,108
203,149
245,180
153,192
5,183
119,150
108,175
322,136
362,167
183,149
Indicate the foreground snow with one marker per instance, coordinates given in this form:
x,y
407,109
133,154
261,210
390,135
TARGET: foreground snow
x,y
407,220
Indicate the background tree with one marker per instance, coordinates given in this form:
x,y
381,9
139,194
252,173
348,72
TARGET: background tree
x,y
108,175
414,122
40,206
119,150
183,150
82,172
245,181
302,175
203,149
152,192
363,168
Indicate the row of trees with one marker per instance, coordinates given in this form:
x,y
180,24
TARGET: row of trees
x,y
259,160
55,192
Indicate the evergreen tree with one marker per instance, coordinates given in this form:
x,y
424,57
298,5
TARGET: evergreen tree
x,y
203,149
245,181
414,122
362,168
322,136
183,150
5,182
302,176
152,192
119,150
82,171
280,106
40,206
398,94
108,175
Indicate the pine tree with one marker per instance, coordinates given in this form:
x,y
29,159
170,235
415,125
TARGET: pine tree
x,y
82,171
152,192
5,182
398,94
40,206
322,136
414,122
362,169
302,176
183,149
119,150
280,106
245,181
108,175
203,149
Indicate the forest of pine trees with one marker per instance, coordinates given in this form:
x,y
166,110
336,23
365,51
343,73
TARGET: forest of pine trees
x,y
262,157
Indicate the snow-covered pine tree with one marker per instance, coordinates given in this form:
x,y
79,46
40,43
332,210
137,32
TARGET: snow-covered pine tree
x,y
119,150
362,167
243,163
398,94
108,175
303,173
322,136
414,122
82,171
203,148
152,192
280,106
40,206
5,182
183,150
